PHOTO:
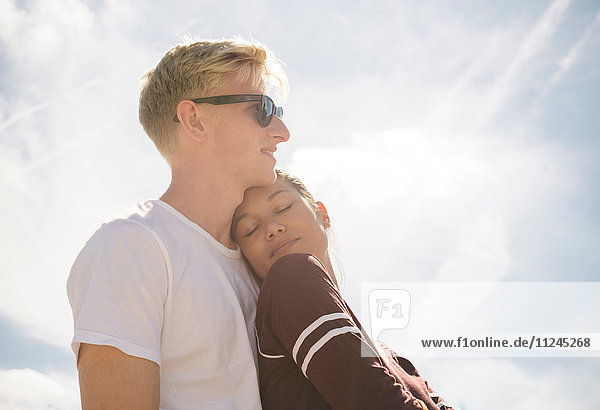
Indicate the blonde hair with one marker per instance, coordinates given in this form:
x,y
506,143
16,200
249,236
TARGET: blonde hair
x,y
194,70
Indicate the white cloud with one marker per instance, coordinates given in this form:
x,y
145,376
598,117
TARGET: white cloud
x,y
533,44
404,197
37,31
498,384
570,58
28,389
18,116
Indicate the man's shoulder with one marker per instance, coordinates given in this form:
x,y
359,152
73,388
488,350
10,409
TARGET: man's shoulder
x,y
141,217
152,224
121,246
139,221
144,213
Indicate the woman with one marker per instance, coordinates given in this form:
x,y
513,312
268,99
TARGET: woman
x,y
313,353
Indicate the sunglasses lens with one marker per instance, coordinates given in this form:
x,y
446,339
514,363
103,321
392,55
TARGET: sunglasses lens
x,y
265,113
279,112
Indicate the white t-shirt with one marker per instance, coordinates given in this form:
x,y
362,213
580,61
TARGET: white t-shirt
x,y
157,286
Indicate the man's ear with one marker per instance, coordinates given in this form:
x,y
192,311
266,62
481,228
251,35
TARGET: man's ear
x,y
324,215
192,119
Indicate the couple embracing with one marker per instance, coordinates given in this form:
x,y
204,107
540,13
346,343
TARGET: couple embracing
x,y
221,294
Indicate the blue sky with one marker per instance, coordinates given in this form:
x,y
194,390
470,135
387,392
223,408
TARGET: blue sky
x,y
452,141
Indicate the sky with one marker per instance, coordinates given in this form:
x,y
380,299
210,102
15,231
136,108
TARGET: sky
x,y
450,141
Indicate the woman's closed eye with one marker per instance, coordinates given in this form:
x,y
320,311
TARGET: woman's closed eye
x,y
276,212
284,209
252,231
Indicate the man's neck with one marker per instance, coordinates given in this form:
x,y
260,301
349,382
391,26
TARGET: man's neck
x,y
209,203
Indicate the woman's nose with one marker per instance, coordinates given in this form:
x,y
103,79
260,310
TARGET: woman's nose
x,y
274,229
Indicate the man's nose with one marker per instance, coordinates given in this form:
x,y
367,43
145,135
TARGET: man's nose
x,y
278,130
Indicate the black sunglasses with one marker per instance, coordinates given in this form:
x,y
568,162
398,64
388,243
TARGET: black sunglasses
x,y
265,114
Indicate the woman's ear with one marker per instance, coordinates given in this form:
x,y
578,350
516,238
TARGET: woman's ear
x,y
324,215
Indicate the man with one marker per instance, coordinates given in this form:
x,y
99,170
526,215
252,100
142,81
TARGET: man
x,y
163,303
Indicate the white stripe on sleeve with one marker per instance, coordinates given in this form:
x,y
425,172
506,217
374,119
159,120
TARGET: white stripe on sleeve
x,y
313,326
330,335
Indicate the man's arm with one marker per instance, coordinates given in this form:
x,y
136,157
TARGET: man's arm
x,y
109,378
117,289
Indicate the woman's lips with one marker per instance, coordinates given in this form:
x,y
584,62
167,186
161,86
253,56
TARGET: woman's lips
x,y
284,246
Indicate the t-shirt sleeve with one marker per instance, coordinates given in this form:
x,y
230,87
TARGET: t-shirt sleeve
x,y
299,304
117,289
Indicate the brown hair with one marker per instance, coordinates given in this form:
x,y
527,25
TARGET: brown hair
x,y
332,244
194,70
298,185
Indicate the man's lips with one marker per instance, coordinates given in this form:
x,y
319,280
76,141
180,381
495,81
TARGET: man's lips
x,y
269,151
283,245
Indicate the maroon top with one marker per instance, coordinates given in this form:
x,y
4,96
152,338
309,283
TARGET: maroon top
x,y
310,345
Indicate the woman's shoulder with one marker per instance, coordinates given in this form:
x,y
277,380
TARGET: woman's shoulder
x,y
295,279
296,269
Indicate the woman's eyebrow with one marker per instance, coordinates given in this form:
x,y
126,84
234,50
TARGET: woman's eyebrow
x,y
270,198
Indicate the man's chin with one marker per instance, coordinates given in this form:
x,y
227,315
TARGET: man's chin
x,y
266,178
